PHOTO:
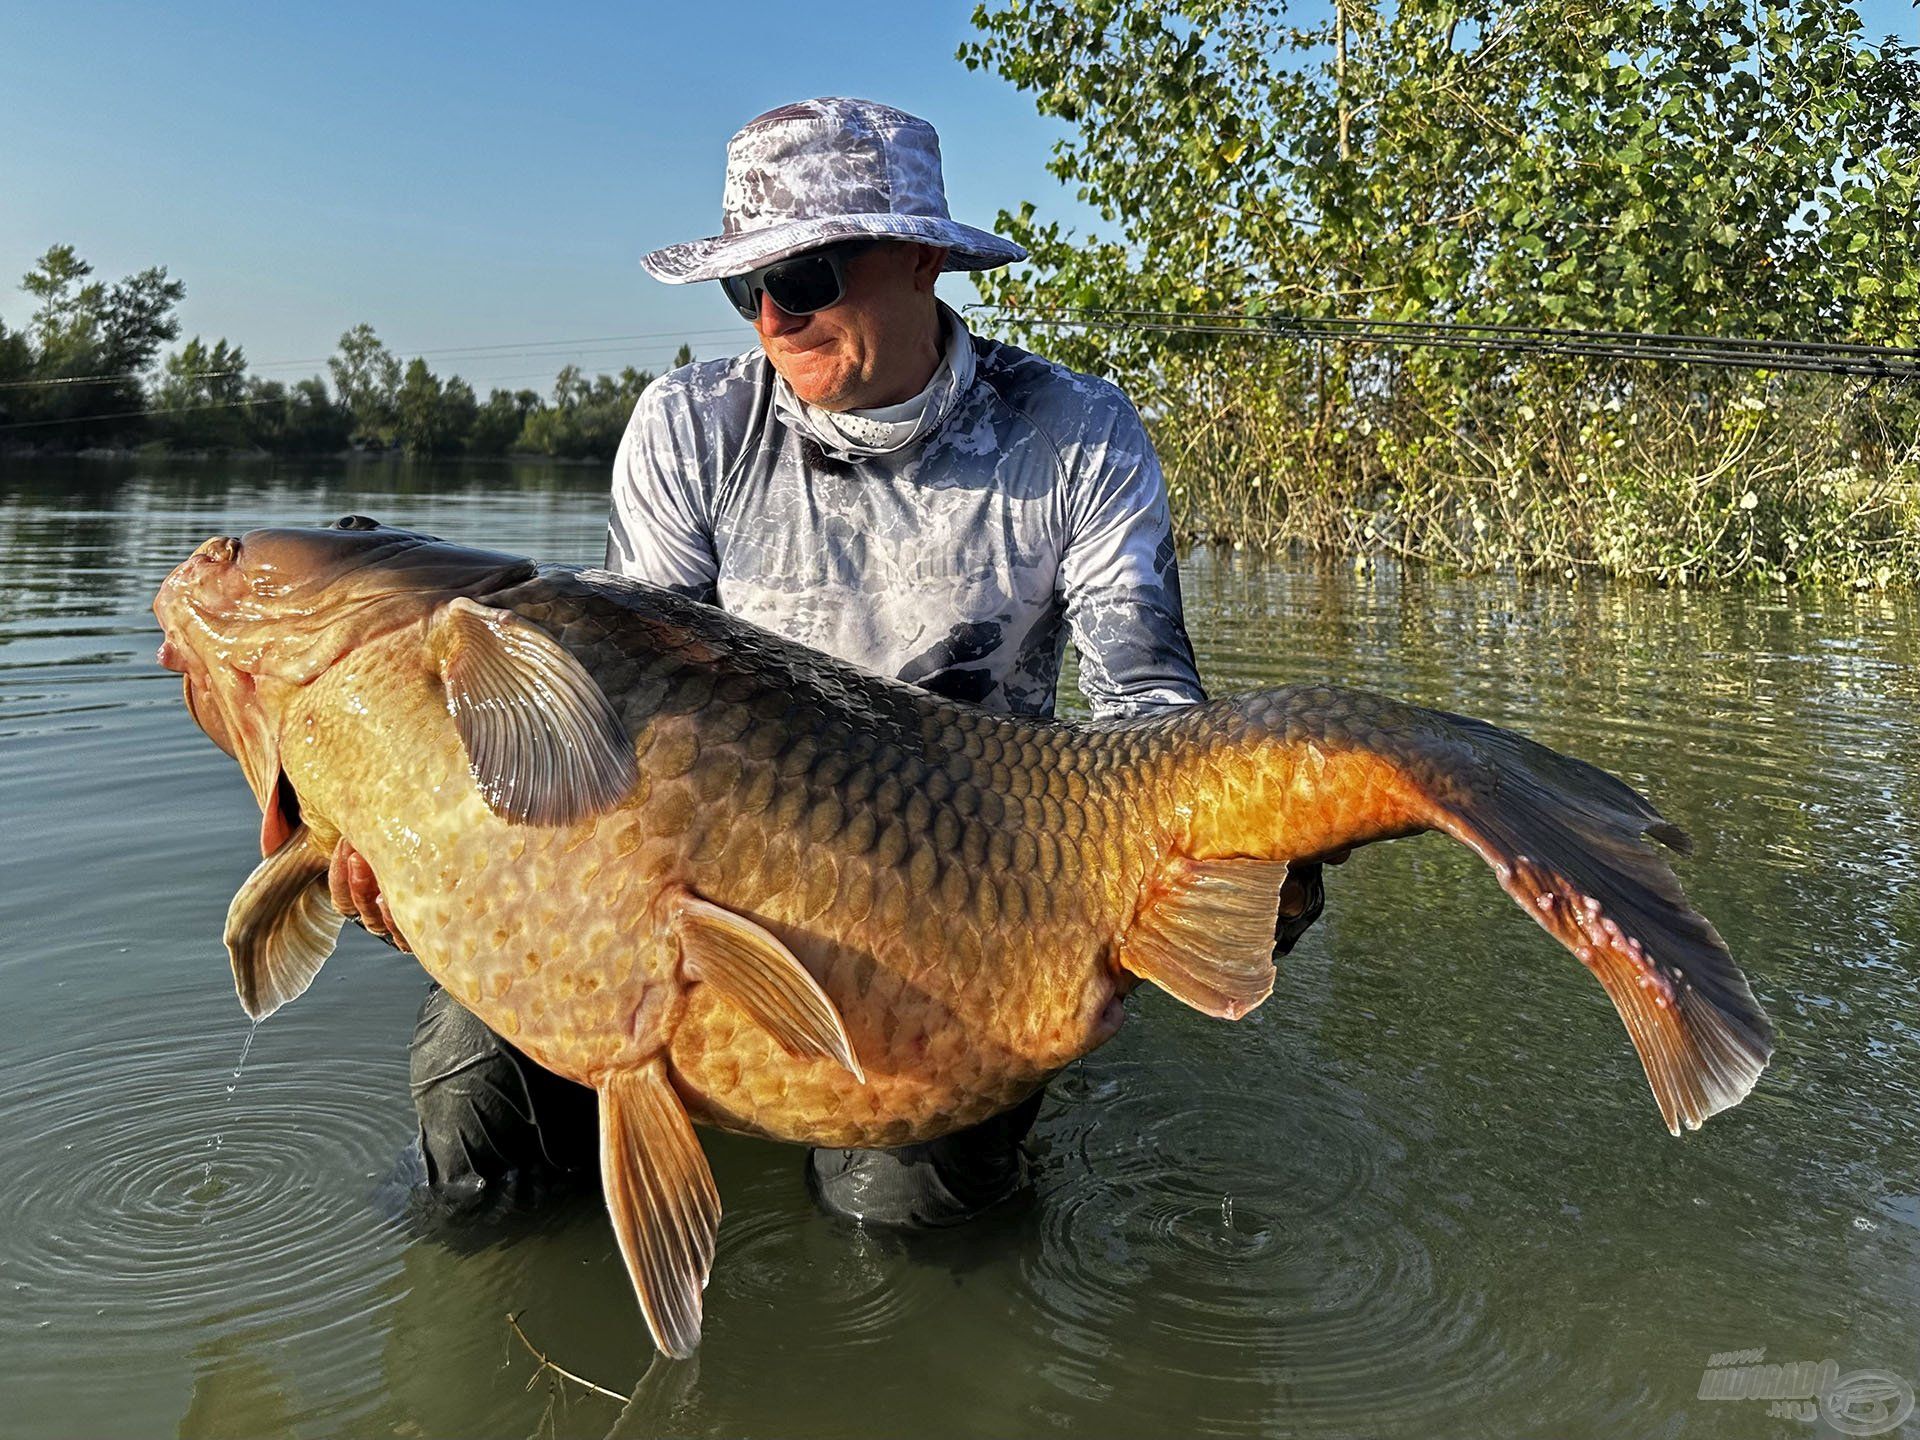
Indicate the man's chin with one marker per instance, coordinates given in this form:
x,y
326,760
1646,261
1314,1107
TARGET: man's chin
x,y
822,380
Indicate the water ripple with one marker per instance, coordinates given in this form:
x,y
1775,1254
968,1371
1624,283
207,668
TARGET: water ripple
x,y
145,1189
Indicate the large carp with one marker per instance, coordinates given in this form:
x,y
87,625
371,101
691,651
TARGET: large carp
x,y
724,879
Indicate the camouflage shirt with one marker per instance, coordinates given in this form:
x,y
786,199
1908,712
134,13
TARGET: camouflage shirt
x,y
1032,508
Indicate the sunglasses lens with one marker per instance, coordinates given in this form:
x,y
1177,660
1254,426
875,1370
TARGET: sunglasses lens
x,y
804,284
739,289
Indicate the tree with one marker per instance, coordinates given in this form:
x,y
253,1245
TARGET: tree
x,y
16,364
68,317
366,380
571,387
498,424
202,395
100,337
301,419
1707,166
1703,165
459,410
587,418
420,427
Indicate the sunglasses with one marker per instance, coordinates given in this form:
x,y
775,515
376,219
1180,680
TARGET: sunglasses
x,y
799,285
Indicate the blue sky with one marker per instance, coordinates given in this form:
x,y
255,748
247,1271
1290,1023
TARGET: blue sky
x,y
459,175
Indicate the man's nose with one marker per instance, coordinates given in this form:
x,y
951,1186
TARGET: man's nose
x,y
773,321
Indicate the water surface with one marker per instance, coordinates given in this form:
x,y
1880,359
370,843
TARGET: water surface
x,y
1423,1191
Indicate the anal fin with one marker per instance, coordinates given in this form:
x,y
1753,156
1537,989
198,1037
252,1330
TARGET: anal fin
x,y
661,1197
281,926
750,966
1205,934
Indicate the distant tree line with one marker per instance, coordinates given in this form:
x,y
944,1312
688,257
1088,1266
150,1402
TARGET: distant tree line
x,y
83,373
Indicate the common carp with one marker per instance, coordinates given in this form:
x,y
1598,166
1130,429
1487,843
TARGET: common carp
x,y
727,880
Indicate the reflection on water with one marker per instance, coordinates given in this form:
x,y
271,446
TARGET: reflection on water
x,y
1422,1191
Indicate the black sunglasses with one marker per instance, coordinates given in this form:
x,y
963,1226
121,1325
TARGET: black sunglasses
x,y
799,285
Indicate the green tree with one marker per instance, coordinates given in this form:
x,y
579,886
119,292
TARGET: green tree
x,y
16,365
301,419
498,424
1706,165
571,387
366,380
201,398
1710,166
419,408
587,418
96,336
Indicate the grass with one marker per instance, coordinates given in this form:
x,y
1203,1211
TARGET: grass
x,y
1663,474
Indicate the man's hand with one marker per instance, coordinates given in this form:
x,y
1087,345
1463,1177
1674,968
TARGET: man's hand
x,y
356,895
1302,897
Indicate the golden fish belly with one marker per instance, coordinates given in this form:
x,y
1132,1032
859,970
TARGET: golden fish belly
x,y
969,956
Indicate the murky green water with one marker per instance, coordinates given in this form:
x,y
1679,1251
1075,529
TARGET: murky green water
x,y
1424,1191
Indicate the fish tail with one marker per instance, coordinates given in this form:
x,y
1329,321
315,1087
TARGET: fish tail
x,y
1568,842
1307,773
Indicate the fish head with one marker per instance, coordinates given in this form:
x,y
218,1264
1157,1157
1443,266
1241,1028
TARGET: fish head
x,y
248,619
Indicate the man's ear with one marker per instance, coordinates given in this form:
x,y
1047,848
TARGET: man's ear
x,y
926,266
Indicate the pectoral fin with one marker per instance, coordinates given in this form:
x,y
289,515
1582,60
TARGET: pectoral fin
x,y
1206,934
542,740
661,1196
756,972
281,926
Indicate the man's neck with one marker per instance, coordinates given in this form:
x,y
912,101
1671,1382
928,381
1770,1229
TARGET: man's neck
x,y
925,354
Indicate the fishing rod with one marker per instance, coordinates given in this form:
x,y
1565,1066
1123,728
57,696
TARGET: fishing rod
x,y
1727,352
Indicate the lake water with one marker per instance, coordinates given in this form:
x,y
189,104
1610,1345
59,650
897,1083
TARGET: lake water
x,y
1423,1191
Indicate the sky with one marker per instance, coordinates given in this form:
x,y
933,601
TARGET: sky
x,y
462,176
456,176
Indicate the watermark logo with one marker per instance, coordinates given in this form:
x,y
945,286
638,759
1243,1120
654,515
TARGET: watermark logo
x,y
1858,1402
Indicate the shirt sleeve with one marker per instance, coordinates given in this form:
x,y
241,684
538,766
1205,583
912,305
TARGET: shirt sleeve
x,y
660,528
1120,577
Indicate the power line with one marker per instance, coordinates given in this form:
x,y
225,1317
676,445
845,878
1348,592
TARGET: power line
x,y
137,414
194,409
510,349
1734,352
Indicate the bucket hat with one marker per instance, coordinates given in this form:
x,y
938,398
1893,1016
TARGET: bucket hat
x,y
823,170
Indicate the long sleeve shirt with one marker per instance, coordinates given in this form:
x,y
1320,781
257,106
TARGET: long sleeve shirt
x,y
1032,509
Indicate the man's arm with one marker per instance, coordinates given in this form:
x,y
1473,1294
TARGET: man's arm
x,y
1120,578
660,526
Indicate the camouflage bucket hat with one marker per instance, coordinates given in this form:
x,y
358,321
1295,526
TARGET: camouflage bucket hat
x,y
806,175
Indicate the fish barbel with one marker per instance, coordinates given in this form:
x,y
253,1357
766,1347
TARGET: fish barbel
x,y
725,879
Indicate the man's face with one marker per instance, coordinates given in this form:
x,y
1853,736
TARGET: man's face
x,y
878,338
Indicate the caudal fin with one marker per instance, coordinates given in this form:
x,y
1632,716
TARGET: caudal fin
x,y
1567,841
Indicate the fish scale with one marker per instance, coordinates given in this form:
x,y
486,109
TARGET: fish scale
x,y
724,878
829,816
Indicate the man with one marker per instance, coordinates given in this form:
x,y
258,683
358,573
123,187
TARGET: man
x,y
878,483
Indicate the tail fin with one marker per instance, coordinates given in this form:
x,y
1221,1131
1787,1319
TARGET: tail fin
x,y
1566,841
